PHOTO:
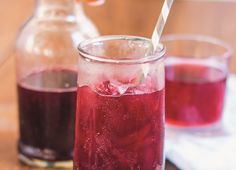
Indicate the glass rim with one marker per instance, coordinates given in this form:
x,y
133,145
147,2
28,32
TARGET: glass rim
x,y
147,58
200,38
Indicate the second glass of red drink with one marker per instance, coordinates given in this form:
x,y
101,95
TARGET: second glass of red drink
x,y
120,105
196,72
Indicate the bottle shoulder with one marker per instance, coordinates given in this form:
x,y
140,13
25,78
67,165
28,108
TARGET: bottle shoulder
x,y
40,34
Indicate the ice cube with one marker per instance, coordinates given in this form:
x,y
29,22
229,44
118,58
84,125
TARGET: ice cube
x,y
106,88
121,87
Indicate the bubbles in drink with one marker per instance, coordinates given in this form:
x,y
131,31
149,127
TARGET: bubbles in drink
x,y
119,129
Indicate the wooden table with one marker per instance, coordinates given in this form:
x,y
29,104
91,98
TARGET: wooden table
x,y
135,17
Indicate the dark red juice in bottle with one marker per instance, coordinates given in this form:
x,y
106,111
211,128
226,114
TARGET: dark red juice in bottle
x,y
194,94
119,132
47,102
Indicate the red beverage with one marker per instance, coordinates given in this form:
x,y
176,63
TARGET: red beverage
x,y
194,94
119,132
47,102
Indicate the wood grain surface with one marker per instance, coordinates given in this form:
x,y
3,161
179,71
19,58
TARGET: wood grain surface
x,y
135,17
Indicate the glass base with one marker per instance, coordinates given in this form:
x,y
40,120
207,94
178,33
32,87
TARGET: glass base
x,y
45,164
37,158
209,129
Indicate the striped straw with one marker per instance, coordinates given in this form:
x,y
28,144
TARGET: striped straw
x,y
156,35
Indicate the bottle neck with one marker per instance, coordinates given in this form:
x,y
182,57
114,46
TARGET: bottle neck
x,y
55,8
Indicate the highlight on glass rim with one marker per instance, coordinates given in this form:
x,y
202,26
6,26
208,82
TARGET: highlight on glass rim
x,y
117,85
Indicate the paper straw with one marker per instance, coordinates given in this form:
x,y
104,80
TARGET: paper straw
x,y
156,35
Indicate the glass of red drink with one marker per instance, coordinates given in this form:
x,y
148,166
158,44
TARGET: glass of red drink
x,y
120,105
196,70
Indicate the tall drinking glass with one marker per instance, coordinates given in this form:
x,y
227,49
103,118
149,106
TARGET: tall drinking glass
x,y
120,105
196,72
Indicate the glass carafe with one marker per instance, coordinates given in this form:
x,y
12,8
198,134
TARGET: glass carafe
x,y
46,61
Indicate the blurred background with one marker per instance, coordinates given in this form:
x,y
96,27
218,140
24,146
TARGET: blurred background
x,y
134,17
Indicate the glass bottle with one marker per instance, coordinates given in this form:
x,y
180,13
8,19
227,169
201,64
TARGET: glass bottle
x,y
46,60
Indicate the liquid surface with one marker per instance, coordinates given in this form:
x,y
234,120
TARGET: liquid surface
x,y
123,132
47,102
194,94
